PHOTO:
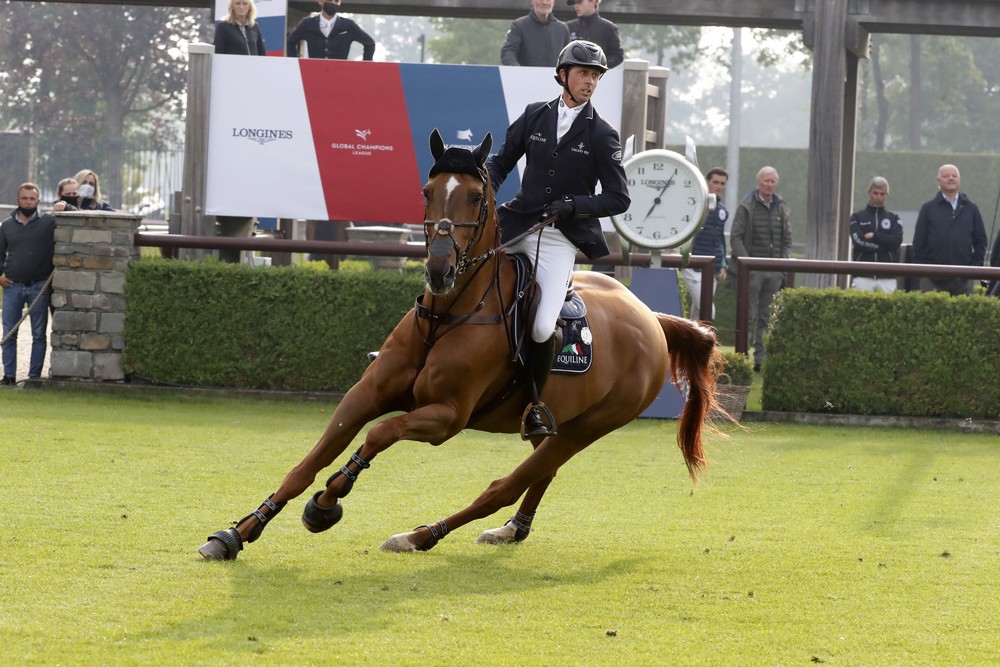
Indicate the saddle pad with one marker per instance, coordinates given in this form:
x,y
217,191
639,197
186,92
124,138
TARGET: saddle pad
x,y
576,352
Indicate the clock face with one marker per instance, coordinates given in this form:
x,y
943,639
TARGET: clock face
x,y
669,200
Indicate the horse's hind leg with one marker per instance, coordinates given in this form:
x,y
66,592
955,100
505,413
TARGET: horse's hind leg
x,y
535,472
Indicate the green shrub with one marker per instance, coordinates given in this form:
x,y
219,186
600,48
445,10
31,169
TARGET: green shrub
x,y
908,353
736,369
218,324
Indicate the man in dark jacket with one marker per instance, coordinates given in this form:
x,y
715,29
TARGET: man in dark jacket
x,y
589,25
761,229
568,149
949,230
876,235
27,243
329,36
535,40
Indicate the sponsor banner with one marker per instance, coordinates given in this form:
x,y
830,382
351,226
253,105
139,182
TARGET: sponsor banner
x,y
261,155
271,17
475,106
357,111
348,140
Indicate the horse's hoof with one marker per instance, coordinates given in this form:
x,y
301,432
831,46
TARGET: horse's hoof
x,y
505,534
222,545
399,544
316,519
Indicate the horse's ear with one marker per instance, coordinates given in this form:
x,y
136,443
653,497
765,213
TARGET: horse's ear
x,y
437,145
483,150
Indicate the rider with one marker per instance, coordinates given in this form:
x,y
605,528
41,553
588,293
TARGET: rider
x,y
568,147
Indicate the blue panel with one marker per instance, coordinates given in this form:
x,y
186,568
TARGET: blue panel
x,y
658,289
463,102
272,29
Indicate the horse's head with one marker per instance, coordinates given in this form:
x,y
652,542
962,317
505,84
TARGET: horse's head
x,y
459,222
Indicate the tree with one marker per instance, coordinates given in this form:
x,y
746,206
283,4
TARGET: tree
x,y
86,79
468,41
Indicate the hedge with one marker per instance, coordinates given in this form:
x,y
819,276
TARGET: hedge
x,y
907,354
216,324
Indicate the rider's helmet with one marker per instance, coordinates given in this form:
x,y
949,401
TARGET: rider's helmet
x,y
583,53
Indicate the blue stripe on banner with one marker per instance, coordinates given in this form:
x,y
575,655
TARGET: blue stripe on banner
x,y
272,29
463,102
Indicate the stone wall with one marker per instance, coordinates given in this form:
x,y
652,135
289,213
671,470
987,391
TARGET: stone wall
x,y
93,250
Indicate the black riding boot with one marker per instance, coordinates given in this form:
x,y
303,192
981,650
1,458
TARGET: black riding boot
x,y
540,358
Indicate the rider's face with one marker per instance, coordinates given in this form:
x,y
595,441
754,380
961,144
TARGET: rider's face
x,y
582,82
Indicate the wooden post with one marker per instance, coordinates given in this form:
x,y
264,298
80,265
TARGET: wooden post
x,y
826,136
656,102
194,189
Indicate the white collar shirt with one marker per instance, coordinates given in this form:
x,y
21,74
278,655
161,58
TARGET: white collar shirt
x,y
566,118
326,25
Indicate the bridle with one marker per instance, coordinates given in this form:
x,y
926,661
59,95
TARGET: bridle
x,y
443,242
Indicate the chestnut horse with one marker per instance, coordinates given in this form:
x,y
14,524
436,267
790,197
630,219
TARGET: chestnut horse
x,y
448,366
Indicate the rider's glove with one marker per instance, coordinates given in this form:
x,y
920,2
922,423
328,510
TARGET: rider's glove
x,y
563,208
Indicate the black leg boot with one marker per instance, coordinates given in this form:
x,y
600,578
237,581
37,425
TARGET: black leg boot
x,y
540,358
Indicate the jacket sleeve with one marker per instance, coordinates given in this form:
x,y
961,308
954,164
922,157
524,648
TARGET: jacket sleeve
x,y
367,42
292,45
261,49
890,239
786,230
511,46
615,52
920,237
504,160
979,238
738,231
220,37
857,238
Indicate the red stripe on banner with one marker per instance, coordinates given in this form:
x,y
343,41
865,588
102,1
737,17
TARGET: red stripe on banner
x,y
363,144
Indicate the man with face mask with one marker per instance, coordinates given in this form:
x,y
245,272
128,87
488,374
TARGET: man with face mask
x,y
329,36
27,243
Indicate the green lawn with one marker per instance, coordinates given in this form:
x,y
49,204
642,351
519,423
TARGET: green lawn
x,y
802,545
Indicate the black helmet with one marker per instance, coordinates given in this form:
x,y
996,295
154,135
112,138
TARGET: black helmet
x,y
584,53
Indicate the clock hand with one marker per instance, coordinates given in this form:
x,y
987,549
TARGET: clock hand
x,y
656,202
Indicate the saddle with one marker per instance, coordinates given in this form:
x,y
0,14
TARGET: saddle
x,y
573,335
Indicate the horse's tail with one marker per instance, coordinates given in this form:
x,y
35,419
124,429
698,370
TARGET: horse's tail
x,y
696,360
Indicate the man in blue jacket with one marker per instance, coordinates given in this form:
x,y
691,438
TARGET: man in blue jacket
x,y
569,148
876,235
949,230
329,36
711,240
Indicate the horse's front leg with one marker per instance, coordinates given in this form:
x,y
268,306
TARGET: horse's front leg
x,y
431,423
347,420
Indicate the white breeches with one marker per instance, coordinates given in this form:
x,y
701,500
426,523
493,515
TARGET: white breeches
x,y
554,257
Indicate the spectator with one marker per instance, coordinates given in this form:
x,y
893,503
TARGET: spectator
x,y
589,25
761,229
90,192
560,177
329,36
711,240
27,243
535,40
68,196
876,235
949,230
239,33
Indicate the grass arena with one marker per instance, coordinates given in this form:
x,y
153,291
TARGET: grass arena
x,y
802,545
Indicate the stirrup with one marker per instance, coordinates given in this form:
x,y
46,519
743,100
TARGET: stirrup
x,y
547,430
